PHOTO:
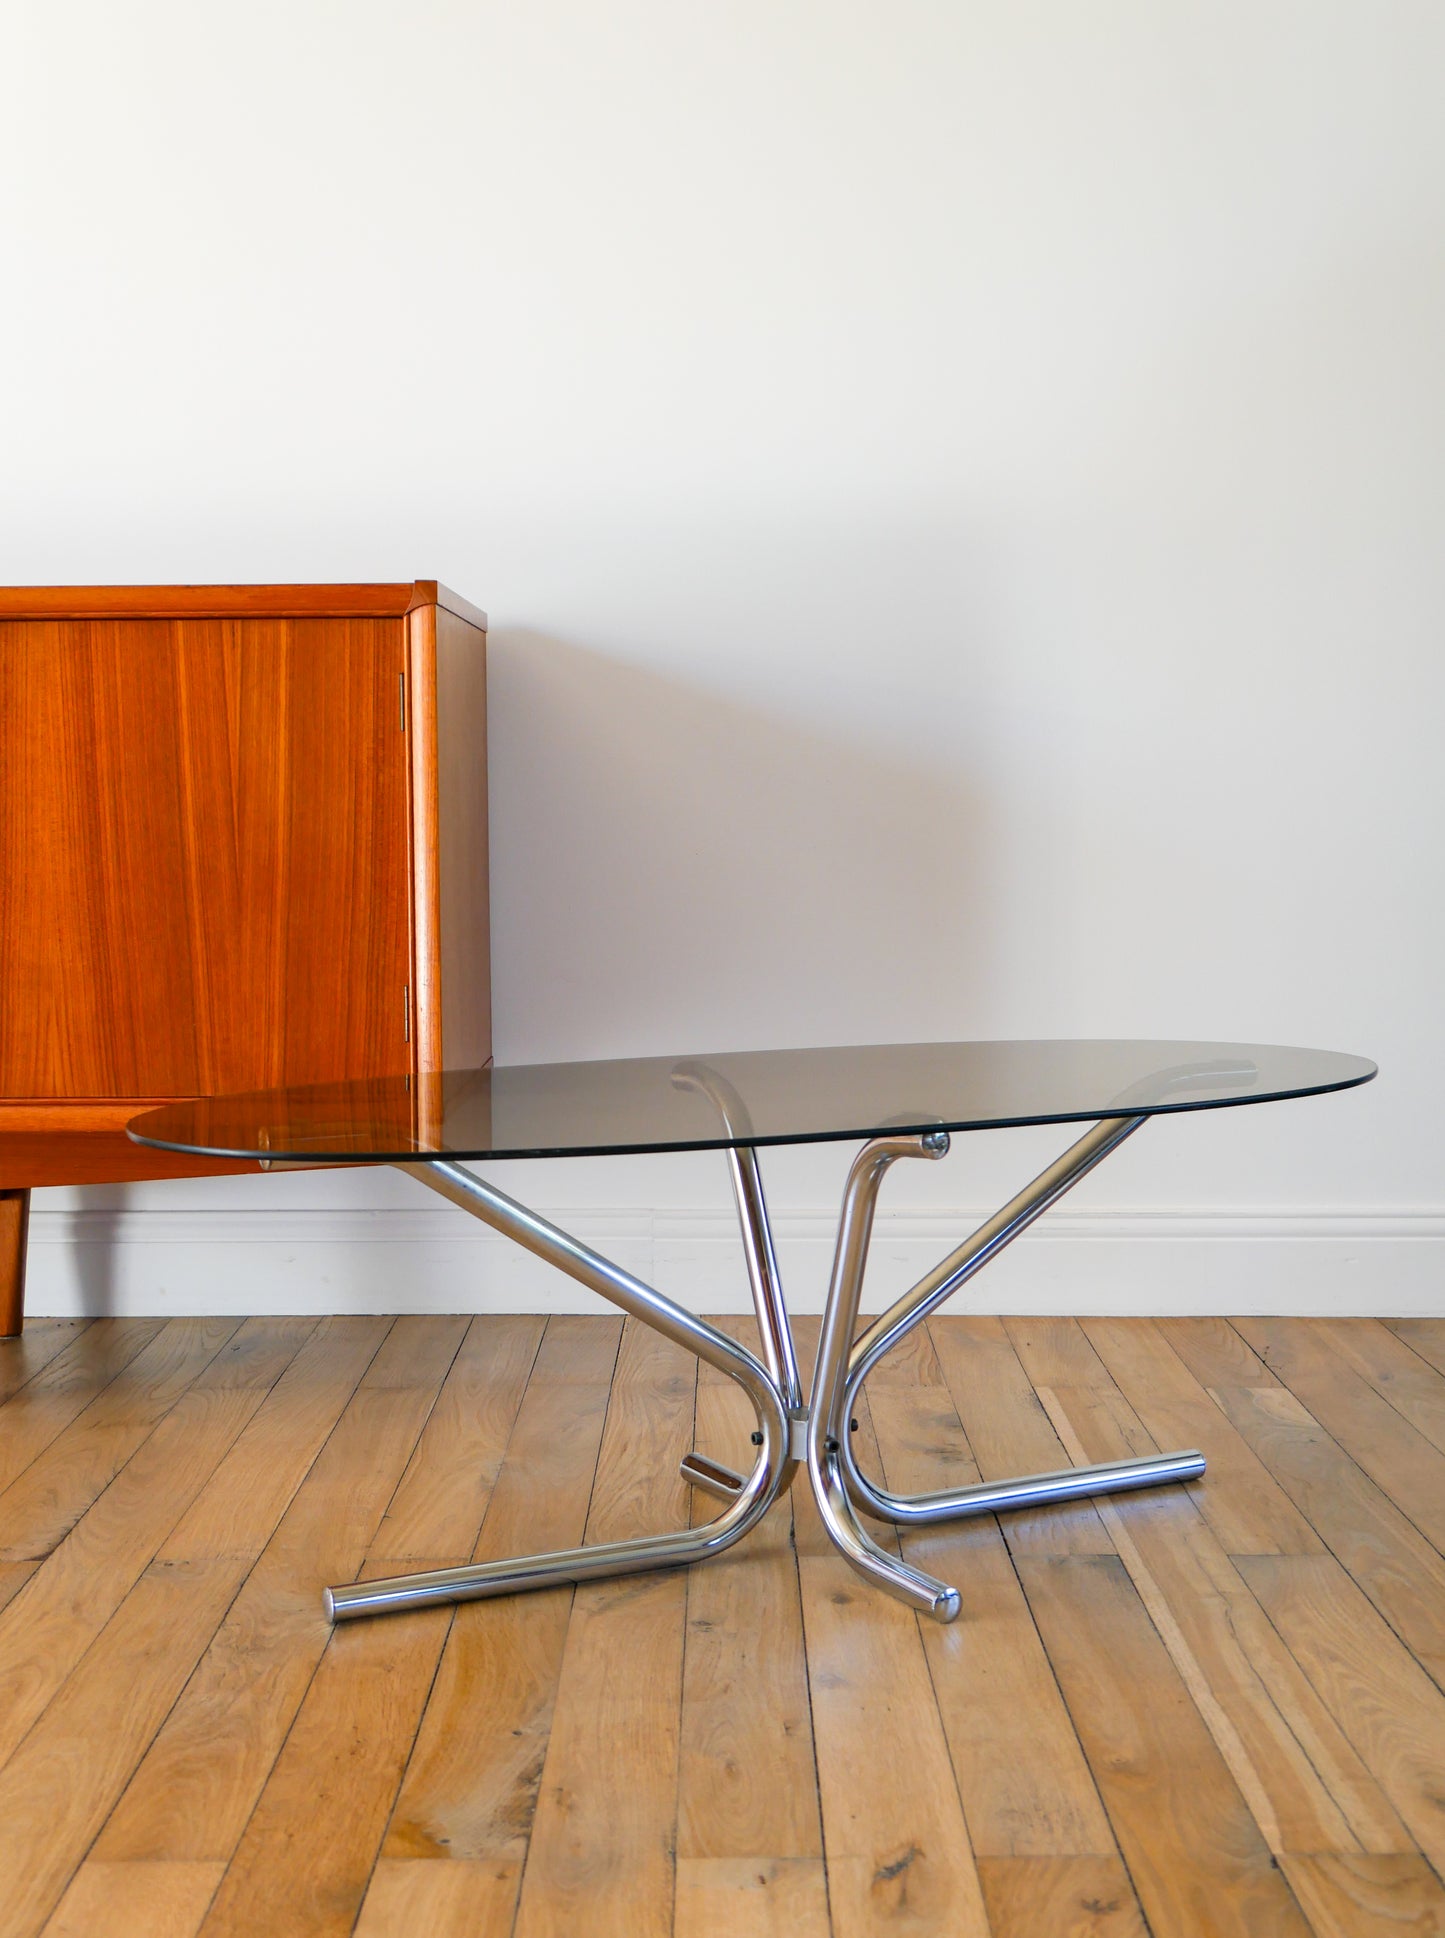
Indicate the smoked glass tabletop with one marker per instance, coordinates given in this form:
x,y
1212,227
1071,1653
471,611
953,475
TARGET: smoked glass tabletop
x,y
689,1103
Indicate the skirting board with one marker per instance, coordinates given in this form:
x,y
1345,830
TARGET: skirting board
x,y
433,1259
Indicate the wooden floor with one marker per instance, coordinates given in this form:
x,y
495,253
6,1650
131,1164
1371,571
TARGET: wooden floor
x,y
1214,1710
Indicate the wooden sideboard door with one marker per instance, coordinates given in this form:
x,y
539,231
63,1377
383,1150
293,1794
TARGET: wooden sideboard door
x,y
204,867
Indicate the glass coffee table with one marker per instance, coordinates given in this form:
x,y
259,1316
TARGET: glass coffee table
x,y
897,1100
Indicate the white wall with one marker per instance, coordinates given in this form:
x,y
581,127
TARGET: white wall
x,y
958,488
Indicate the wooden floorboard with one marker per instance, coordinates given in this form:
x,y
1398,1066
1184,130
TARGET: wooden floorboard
x,y
1215,1709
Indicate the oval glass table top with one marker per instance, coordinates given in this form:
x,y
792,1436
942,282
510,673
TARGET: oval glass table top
x,y
745,1097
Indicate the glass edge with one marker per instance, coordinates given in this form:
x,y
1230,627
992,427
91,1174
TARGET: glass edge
x,y
849,1136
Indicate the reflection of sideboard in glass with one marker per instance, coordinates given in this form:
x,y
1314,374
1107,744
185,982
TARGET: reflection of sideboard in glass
x,y
243,842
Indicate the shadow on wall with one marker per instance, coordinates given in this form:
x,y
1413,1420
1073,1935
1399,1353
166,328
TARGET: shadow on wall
x,y
94,1255
675,868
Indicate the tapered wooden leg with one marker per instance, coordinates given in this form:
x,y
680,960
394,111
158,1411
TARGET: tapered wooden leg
x,y
14,1220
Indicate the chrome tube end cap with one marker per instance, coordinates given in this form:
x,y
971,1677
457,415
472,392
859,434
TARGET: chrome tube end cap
x,y
946,1605
328,1605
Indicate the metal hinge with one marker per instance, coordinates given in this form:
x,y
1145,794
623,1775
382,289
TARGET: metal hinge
x,y
406,1012
401,695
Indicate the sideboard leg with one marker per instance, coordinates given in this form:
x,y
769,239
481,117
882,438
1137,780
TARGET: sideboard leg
x,y
14,1222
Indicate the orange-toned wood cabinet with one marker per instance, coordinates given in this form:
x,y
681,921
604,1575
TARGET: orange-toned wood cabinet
x,y
243,842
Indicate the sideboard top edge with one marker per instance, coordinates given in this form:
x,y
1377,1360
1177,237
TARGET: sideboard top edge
x,y
231,601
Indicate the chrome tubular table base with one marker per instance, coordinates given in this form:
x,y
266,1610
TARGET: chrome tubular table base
x,y
790,1437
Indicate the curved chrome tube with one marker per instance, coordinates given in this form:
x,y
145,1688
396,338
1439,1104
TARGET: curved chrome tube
x,y
787,1431
761,1260
828,1421
1032,1490
760,1488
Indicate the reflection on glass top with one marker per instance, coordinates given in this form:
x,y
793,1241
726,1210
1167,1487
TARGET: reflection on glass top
x,y
745,1097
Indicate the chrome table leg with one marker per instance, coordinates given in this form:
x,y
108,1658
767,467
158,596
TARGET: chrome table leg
x,y
1034,1490
764,1279
828,1420
788,1432
759,1489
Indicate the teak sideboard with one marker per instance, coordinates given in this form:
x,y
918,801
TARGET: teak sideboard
x,y
243,842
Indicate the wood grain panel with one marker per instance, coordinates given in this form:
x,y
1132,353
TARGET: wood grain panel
x,y
203,870
44,1157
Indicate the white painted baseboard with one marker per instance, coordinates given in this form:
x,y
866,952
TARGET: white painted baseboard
x,y
1316,1261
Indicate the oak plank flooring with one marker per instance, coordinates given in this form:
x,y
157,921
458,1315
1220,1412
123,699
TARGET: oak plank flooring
x,y
740,1897
1065,1897
13,1577
59,1783
143,1900
22,1358
1400,1460
413,1897
1411,1384
745,1693
1009,1432
48,1627
45,1404
1384,1550
1382,1699
1247,1507
1025,1786
895,1836
42,1504
1368,1896
1198,1859
1214,1352
1423,1336
466,1800
603,1840
1181,1711
1306,1787
193,1792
